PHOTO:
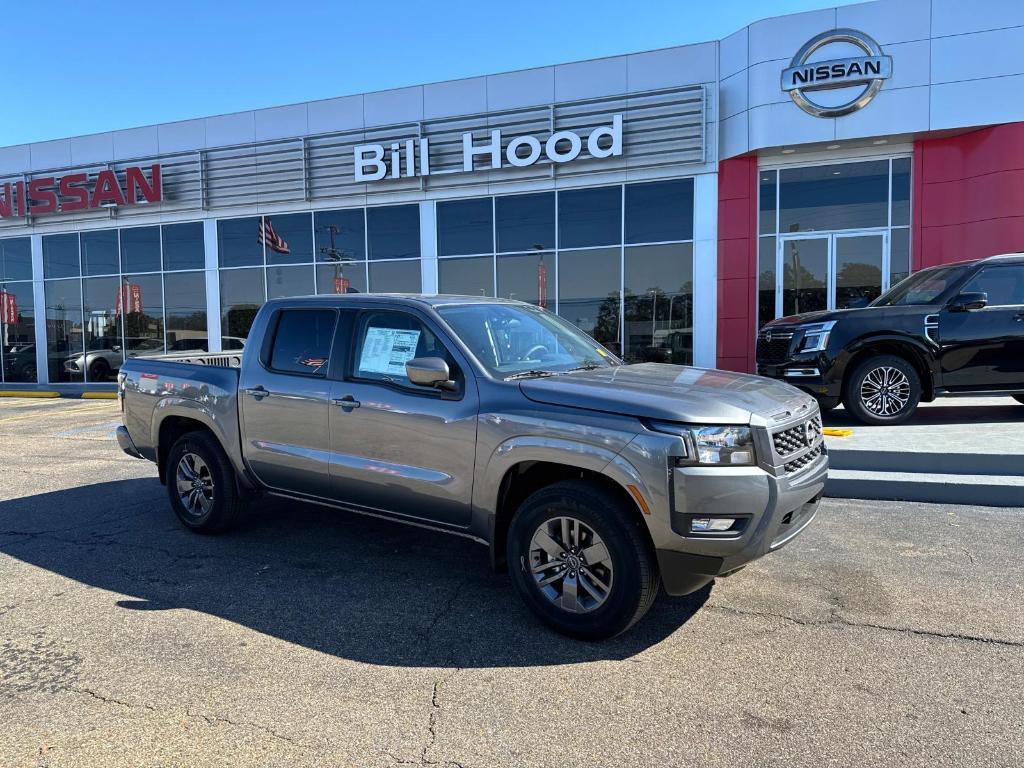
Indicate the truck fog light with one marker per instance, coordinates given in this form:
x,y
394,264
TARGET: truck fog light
x,y
703,524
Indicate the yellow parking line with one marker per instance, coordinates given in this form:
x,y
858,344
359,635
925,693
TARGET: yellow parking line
x,y
836,432
99,395
27,393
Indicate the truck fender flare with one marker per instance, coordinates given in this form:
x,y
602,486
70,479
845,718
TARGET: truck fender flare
x,y
570,453
168,407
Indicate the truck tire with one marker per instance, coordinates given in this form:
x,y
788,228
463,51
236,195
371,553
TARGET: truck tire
x,y
581,561
882,389
201,484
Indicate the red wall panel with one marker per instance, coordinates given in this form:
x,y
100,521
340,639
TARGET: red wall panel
x,y
968,195
737,262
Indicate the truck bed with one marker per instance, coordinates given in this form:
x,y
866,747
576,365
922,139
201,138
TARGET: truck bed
x,y
204,389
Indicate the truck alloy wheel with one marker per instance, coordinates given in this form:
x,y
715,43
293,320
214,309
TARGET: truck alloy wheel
x,y
581,561
194,484
571,564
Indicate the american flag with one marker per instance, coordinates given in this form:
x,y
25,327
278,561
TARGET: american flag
x,y
268,236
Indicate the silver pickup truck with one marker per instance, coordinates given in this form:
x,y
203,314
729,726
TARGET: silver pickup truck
x,y
590,480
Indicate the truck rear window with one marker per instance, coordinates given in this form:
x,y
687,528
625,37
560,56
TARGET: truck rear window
x,y
302,341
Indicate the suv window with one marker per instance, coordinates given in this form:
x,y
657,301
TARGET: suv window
x,y
924,287
386,341
302,342
1004,285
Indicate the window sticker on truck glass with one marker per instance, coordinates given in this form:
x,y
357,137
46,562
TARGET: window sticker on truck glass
x,y
387,350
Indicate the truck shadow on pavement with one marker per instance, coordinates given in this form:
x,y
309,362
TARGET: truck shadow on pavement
x,y
347,585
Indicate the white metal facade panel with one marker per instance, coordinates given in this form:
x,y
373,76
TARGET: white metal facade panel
x,y
955,65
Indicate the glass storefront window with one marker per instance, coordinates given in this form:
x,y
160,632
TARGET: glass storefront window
x,y
16,259
590,217
838,196
473,276
184,246
341,277
395,276
393,232
241,296
805,275
766,202
658,302
64,328
100,252
60,255
465,227
899,255
142,301
290,281
140,249
340,235
239,242
186,311
588,292
104,350
765,280
901,191
288,238
659,211
528,277
525,222
17,333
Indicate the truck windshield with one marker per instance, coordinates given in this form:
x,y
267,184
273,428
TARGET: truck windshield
x,y
923,288
520,340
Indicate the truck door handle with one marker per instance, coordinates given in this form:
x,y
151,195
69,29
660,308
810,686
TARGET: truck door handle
x,y
347,402
257,392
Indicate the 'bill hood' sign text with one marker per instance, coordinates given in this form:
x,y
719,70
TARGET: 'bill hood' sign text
x,y
81,191
411,157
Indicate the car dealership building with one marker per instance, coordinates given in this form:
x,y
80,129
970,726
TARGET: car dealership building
x,y
668,202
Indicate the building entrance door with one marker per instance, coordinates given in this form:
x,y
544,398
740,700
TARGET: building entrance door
x,y
830,270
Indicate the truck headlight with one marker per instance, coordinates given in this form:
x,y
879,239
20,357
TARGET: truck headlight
x,y
712,445
815,338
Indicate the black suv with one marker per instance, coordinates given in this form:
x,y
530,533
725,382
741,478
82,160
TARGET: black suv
x,y
952,330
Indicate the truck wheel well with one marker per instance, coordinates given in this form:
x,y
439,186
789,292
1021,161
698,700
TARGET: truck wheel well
x,y
171,429
527,477
907,351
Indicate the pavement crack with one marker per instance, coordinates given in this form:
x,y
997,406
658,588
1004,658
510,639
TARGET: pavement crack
x,y
111,699
837,620
218,719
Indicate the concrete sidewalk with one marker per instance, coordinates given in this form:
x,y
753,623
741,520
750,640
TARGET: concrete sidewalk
x,y
954,450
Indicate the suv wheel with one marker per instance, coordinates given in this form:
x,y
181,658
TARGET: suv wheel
x,y
580,561
201,484
882,389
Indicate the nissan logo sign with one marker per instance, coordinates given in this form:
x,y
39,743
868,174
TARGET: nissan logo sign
x,y
870,70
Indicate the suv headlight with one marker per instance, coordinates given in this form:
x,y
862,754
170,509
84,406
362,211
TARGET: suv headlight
x,y
815,338
711,445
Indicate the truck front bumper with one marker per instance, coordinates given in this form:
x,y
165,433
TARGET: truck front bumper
x,y
770,512
125,441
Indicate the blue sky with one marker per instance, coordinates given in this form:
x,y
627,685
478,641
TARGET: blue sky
x,y
75,67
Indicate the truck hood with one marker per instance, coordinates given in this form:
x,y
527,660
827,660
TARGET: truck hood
x,y
672,393
867,315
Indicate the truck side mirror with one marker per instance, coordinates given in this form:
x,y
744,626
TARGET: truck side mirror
x,y
971,300
429,372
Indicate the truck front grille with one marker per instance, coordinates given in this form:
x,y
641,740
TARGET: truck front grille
x,y
802,461
773,347
794,439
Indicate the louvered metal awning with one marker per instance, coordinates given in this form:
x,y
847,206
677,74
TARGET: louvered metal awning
x,y
660,128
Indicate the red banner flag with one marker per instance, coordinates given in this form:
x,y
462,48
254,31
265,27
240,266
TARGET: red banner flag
x,y
9,308
129,299
542,285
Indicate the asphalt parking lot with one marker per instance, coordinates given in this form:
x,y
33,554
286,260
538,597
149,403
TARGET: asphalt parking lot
x,y
888,634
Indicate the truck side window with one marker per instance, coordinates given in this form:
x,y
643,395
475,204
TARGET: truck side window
x,y
1004,285
302,341
386,341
